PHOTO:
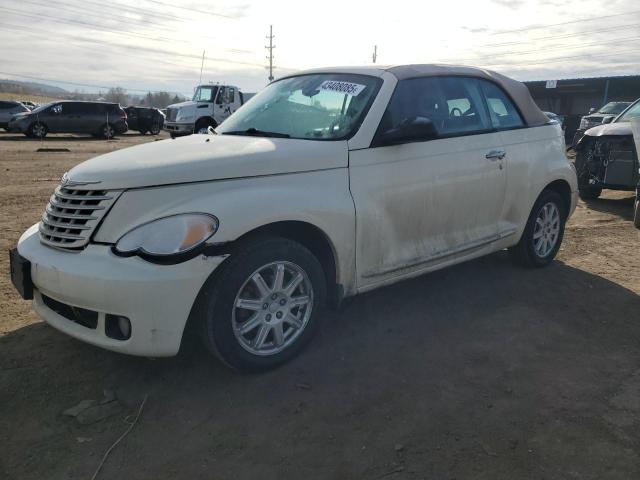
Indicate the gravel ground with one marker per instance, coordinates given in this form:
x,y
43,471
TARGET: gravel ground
x,y
480,371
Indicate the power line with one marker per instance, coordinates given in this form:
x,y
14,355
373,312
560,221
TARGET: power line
x,y
555,37
30,30
89,24
589,19
204,12
529,52
563,59
99,87
119,18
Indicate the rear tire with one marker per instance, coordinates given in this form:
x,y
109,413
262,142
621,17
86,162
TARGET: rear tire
x,y
107,131
155,128
543,233
589,193
277,317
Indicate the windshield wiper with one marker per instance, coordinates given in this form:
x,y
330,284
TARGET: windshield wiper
x,y
254,132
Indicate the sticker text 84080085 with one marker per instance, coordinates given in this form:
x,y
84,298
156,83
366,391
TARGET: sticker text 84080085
x,y
347,88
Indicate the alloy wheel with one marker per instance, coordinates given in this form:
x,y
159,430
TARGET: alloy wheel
x,y
546,230
272,308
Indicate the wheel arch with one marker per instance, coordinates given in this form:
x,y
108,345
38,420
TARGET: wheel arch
x,y
305,233
208,118
562,188
311,237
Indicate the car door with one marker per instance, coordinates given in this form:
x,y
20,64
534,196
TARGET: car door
x,y
423,203
223,105
519,146
52,117
5,112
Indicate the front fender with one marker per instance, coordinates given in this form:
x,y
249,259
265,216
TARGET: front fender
x,y
320,198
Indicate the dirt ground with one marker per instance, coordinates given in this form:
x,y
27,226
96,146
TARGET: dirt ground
x,y
481,371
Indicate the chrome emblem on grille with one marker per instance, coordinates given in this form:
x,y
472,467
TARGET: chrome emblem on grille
x,y
65,181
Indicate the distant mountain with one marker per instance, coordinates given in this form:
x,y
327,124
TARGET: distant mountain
x,y
31,88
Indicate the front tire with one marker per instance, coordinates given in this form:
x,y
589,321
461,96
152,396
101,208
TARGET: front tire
x,y
636,213
37,130
543,233
261,308
589,193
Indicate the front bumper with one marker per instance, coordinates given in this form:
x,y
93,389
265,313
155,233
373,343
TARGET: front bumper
x,y
157,299
17,127
173,127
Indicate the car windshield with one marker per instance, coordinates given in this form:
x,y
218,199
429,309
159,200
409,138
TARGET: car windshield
x,y
613,107
42,107
205,93
311,107
632,112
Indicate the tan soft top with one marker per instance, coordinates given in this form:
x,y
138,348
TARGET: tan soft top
x,y
518,92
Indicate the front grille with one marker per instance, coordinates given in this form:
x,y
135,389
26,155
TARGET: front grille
x,y
73,214
172,113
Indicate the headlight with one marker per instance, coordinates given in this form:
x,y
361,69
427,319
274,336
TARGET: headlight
x,y
174,235
583,123
184,116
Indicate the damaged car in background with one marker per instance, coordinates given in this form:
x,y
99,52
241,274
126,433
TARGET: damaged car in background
x,y
606,156
604,114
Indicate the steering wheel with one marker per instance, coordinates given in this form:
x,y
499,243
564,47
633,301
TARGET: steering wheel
x,y
456,112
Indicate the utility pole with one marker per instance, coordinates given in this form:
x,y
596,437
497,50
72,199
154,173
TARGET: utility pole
x,y
270,47
375,53
201,67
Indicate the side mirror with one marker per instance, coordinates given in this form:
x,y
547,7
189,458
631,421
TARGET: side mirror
x,y
592,110
417,129
607,119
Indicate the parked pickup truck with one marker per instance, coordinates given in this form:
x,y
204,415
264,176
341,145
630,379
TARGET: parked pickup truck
x,y
210,106
328,183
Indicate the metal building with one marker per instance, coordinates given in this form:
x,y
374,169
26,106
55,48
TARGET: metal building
x,y
574,97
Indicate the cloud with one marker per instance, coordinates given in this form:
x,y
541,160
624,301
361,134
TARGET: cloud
x,y
512,4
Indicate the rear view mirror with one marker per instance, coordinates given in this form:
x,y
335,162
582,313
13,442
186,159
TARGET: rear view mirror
x,y
413,130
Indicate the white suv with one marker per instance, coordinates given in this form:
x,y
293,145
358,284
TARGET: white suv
x,y
326,184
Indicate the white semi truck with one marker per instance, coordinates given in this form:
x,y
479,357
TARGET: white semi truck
x,y
210,106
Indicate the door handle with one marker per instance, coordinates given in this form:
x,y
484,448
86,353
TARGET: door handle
x,y
495,155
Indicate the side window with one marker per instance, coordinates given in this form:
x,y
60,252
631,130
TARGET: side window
x,y
231,97
222,95
5,105
501,109
454,105
72,108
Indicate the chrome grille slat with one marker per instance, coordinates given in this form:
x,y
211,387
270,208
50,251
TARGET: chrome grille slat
x,y
72,206
72,215
72,226
67,196
68,215
67,236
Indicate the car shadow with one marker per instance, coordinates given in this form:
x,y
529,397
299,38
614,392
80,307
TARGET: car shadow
x,y
481,357
18,137
620,207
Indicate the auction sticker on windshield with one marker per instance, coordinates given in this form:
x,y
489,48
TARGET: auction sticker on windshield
x,y
347,88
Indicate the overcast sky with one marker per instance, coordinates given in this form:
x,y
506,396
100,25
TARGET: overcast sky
x,y
158,44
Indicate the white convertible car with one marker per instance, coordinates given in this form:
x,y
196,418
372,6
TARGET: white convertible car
x,y
326,184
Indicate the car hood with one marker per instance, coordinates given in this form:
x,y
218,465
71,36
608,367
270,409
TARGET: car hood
x,y
20,115
621,128
199,158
